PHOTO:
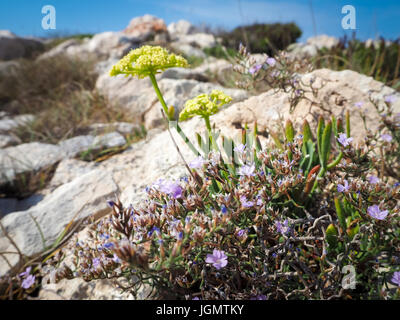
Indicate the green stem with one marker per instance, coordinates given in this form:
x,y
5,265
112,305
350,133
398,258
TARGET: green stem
x,y
160,96
164,105
320,175
335,162
208,125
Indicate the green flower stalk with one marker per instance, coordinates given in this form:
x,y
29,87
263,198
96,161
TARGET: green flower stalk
x,y
205,106
147,61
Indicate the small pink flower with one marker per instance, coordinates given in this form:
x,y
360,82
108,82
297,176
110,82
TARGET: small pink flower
x,y
28,282
377,213
386,137
373,179
396,278
197,163
218,259
343,188
271,62
245,203
344,141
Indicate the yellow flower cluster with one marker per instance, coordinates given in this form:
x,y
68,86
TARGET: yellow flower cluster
x,y
204,105
147,60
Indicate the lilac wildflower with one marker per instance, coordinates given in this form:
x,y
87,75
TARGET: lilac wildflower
x,y
110,203
396,278
28,282
247,170
241,233
96,262
218,259
197,163
390,99
259,297
254,69
373,179
377,213
386,137
344,141
271,61
282,228
171,188
245,203
224,210
108,245
26,272
240,148
116,259
343,188
359,104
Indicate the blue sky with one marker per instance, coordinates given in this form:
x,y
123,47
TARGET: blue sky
x,y
374,18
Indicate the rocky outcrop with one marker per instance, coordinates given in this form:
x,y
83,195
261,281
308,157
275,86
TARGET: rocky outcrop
x,y
34,158
14,47
102,46
145,27
8,123
76,200
311,47
181,28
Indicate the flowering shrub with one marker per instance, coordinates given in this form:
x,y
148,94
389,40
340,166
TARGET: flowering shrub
x,y
280,222
279,73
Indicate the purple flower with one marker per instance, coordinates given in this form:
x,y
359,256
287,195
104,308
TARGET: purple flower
x,y
110,203
26,272
171,188
197,163
224,210
359,104
255,68
282,228
259,201
373,179
241,233
386,137
218,259
116,259
108,245
271,61
259,297
376,213
240,148
390,99
246,170
96,262
28,282
343,188
344,141
245,203
396,278
196,298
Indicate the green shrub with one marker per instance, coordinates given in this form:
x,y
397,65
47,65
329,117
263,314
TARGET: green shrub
x,y
381,62
262,38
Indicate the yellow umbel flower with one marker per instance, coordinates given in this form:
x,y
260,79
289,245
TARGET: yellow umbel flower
x,y
147,60
204,105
